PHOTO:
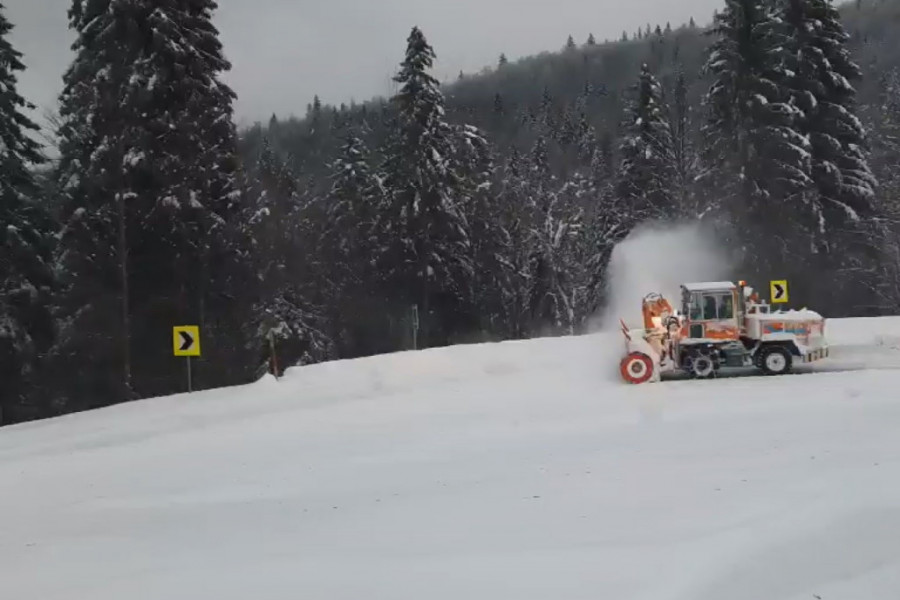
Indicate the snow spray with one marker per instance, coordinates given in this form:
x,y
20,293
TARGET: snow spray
x,y
659,257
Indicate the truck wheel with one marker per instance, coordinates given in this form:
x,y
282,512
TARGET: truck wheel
x,y
637,367
775,360
702,366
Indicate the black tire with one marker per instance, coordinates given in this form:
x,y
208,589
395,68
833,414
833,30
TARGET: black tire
x,y
774,360
701,365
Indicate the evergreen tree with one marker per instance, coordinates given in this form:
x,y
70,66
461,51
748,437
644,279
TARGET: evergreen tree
x,y
425,254
822,75
26,326
503,60
348,246
687,166
570,44
759,157
647,173
591,41
150,198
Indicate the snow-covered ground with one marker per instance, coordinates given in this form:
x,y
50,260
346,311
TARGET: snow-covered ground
x,y
517,470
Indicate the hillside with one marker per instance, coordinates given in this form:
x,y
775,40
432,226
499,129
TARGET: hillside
x,y
520,469
588,79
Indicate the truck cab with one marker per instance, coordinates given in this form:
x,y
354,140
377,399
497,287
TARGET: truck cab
x,y
712,311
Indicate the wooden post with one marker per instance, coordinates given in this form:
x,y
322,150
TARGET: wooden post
x,y
415,326
273,358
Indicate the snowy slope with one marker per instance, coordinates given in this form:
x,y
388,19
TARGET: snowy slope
x,y
517,470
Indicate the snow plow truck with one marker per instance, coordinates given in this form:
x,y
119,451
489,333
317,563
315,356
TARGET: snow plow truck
x,y
720,324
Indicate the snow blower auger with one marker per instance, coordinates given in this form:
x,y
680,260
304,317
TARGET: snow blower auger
x,y
720,325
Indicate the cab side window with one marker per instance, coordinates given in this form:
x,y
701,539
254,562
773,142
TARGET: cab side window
x,y
709,308
696,307
726,306
712,307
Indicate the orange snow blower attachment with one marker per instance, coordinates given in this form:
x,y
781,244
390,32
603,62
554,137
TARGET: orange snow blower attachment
x,y
656,310
645,348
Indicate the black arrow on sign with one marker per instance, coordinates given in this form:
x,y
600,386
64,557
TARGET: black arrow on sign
x,y
186,340
779,291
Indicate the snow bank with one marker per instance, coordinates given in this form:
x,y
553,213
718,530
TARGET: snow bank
x,y
658,257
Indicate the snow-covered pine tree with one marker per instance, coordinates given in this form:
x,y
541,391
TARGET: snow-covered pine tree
x,y
591,40
513,280
887,143
687,166
553,224
26,325
752,124
647,173
886,155
348,244
484,310
758,161
147,172
425,253
822,73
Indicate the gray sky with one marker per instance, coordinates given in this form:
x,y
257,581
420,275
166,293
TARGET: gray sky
x,y
285,51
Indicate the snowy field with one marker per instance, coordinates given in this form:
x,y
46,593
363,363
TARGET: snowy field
x,y
518,470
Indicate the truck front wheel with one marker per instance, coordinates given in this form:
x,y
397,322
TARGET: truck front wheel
x,y
774,360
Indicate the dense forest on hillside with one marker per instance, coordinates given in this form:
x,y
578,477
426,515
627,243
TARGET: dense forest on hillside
x,y
482,209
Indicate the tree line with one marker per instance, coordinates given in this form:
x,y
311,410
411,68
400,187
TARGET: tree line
x,y
484,209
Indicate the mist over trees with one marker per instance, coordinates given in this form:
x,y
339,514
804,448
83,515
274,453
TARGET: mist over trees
x,y
485,208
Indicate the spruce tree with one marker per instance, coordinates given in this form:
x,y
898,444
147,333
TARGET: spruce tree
x,y
822,76
26,325
758,156
348,246
647,173
150,199
686,160
425,251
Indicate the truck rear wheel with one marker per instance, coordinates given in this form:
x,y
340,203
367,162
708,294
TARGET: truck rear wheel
x,y
774,360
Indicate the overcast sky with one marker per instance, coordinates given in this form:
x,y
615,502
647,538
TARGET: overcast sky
x,y
285,51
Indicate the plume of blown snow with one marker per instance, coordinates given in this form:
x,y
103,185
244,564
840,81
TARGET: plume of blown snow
x,y
659,257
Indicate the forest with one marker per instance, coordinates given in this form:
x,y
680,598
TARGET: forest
x,y
480,209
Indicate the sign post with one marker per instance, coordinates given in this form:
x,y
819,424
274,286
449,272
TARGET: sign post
x,y
186,342
273,358
778,291
415,326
